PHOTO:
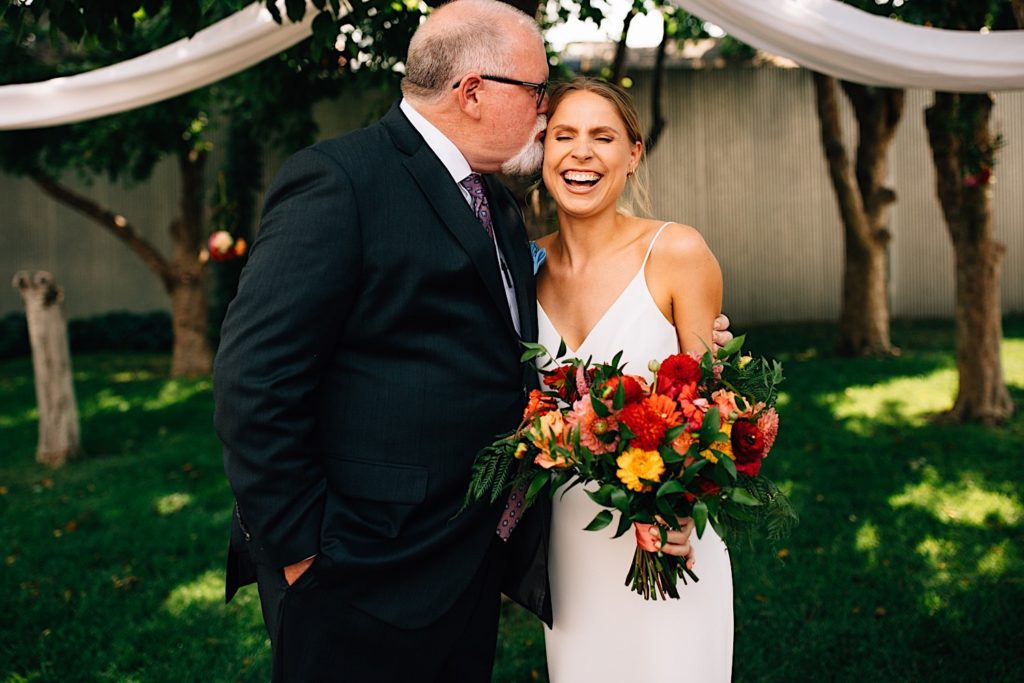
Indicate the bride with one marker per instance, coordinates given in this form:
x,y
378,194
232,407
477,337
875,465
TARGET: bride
x,y
613,281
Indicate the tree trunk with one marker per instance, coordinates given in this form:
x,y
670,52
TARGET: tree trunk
x,y
963,149
863,207
1018,11
192,354
51,363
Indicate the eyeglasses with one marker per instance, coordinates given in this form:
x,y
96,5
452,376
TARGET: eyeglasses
x,y
538,88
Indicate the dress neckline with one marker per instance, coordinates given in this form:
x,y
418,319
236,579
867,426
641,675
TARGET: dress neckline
x,y
612,306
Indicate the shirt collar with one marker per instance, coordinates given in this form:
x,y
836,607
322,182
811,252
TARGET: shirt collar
x,y
444,148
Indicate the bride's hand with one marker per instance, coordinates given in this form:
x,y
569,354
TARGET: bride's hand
x,y
721,335
677,543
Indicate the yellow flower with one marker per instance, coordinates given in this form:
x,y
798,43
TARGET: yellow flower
x,y
520,450
636,464
724,447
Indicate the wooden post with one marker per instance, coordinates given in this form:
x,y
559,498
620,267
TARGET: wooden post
x,y
51,364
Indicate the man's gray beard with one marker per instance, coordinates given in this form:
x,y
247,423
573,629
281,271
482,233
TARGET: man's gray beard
x,y
528,160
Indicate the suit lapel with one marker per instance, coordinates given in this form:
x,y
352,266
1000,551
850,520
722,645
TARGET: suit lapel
x,y
508,226
456,215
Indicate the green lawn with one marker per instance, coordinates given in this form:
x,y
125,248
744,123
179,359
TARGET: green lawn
x,y
907,564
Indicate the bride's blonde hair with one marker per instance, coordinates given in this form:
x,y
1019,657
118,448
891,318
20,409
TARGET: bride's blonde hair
x,y
636,200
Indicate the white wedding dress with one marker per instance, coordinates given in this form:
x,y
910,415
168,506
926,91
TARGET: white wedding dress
x,y
604,632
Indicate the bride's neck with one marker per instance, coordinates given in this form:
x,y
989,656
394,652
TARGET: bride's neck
x,y
580,240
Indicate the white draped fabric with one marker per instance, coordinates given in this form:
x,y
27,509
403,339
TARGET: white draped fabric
x,y
842,41
824,35
225,48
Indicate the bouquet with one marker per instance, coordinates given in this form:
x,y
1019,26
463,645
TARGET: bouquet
x,y
688,444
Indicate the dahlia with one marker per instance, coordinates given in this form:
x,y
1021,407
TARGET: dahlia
x,y
636,464
592,425
648,427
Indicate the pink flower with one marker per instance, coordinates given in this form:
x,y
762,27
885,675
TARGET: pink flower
x,y
591,425
768,423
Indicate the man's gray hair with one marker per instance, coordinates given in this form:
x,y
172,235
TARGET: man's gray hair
x,y
442,52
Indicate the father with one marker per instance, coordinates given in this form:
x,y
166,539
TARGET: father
x,y
373,348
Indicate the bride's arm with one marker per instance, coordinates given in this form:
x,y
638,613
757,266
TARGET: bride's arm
x,y
686,271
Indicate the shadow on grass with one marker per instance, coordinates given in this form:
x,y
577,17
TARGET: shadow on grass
x,y
906,565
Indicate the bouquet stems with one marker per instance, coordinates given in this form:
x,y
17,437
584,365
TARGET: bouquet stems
x,y
653,575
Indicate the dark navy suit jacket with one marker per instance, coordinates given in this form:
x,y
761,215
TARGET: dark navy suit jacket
x,y
368,356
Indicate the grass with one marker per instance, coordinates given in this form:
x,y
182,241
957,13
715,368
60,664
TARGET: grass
x,y
907,564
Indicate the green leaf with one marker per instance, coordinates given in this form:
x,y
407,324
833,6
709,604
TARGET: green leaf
x,y
599,407
665,508
624,525
726,463
732,347
742,497
620,396
673,486
562,349
669,455
673,433
600,521
616,359
693,469
539,480
602,496
700,517
711,427
530,354
620,499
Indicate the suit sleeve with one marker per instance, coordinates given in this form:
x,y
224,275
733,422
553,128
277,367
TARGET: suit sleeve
x,y
293,301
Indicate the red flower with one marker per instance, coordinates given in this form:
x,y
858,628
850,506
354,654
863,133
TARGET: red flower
x,y
748,446
562,381
676,372
647,426
630,387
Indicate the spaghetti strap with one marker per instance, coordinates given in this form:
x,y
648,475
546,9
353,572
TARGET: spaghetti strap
x,y
650,248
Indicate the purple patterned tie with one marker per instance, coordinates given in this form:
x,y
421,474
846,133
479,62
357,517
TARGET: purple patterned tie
x,y
513,511
474,184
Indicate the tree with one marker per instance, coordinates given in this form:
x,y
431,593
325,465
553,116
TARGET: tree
x,y
964,152
864,202
267,104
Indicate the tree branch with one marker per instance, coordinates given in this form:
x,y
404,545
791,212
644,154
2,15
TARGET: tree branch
x,y
115,223
619,65
658,124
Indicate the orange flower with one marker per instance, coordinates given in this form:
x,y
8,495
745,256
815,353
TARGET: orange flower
x,y
726,402
539,404
666,408
682,443
546,436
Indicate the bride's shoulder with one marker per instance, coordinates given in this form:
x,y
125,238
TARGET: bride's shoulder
x,y
678,241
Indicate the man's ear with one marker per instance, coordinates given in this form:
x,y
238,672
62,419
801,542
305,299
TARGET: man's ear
x,y
469,92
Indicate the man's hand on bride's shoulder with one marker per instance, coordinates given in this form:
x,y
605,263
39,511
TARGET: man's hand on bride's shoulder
x,y
721,335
